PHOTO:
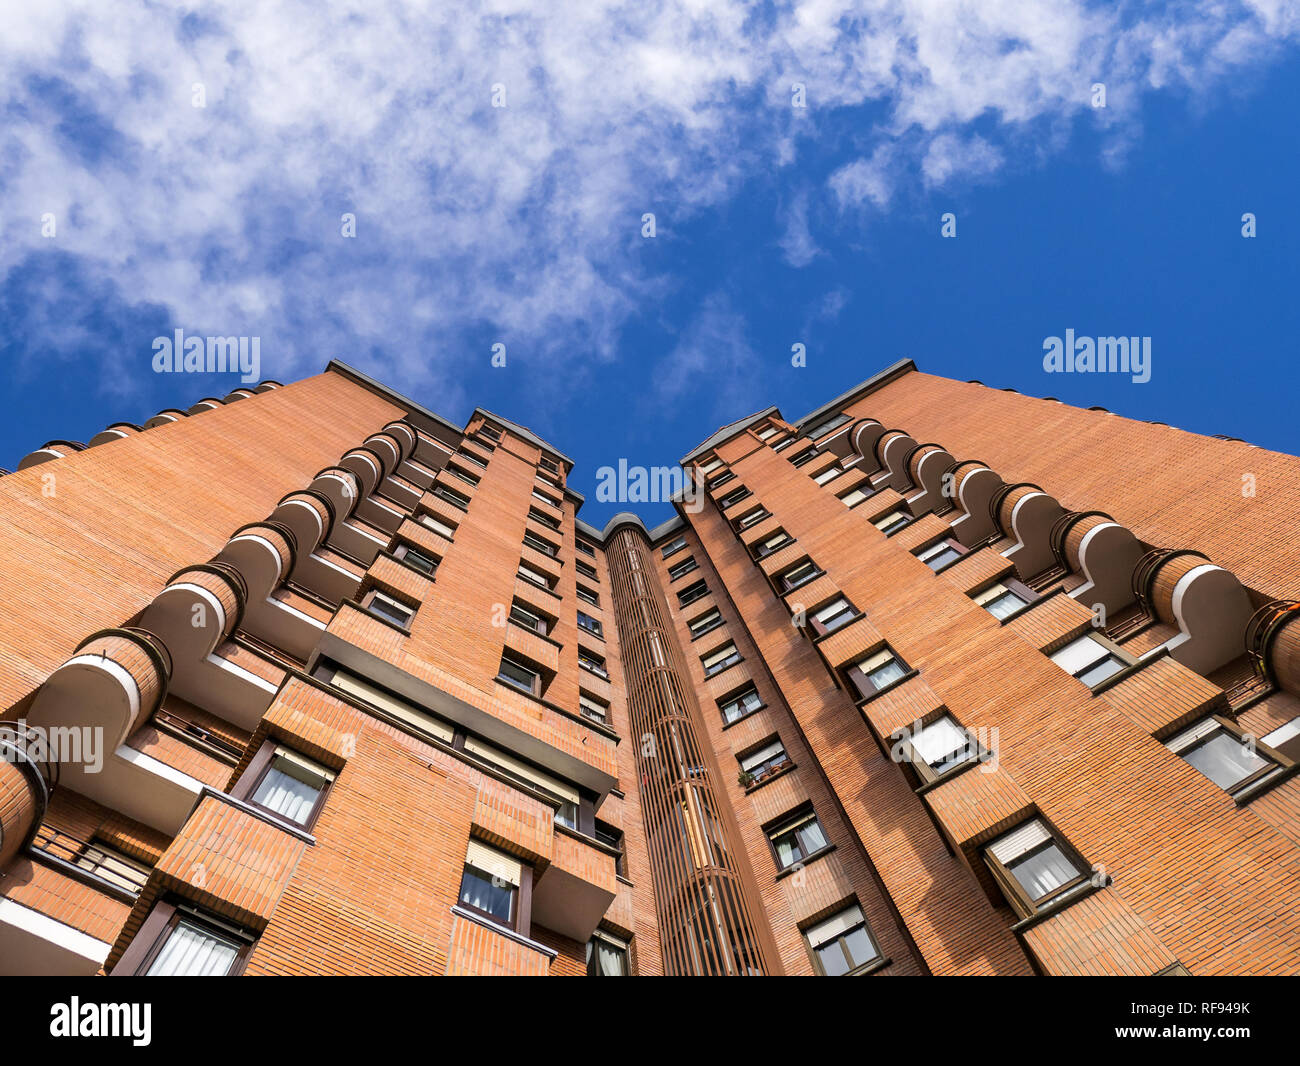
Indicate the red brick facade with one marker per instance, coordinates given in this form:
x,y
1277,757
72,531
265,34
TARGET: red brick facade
x,y
346,689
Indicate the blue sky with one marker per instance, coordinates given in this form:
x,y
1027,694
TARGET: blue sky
x,y
774,224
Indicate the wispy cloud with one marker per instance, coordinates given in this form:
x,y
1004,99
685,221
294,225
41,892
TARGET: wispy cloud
x,y
523,220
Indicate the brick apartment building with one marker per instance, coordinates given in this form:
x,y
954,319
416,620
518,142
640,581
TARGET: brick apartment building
x,y
310,680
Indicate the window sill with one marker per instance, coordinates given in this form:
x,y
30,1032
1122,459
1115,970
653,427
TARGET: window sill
x,y
864,700
956,771
722,669
1066,899
705,632
1030,606
748,714
750,789
868,968
819,637
1265,784
534,632
1129,671
504,930
805,862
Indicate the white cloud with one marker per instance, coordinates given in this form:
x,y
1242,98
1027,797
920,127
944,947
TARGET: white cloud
x,y
522,220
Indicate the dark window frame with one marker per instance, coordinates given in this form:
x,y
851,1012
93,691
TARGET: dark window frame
x,y
368,605
163,918
1011,888
861,681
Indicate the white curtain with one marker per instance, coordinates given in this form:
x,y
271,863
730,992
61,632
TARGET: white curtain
x,y
192,951
286,795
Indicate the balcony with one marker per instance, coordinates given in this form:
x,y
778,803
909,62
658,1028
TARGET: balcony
x,y
576,890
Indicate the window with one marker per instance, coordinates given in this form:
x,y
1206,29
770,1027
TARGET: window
x,y
717,661
804,457
782,445
721,479
177,940
288,784
465,454
382,606
521,677
195,949
673,546
753,518
710,466
877,672
942,554
743,703
533,577
796,838
591,625
417,559
892,522
775,542
1222,754
541,497
529,618
822,428
854,497
443,529
1005,599
606,956
591,661
683,568
1089,660
611,838
407,713
451,496
549,464
490,884
829,474
113,866
733,497
711,619
941,746
767,432
842,943
542,519
462,475
491,432
585,570
563,794
538,544
592,708
1033,867
797,575
691,593
587,596
763,763
585,548
837,613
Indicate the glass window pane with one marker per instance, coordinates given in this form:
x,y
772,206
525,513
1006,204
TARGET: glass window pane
x,y
859,946
1098,673
1225,760
1005,605
478,891
811,837
833,959
1043,871
192,950
883,675
286,790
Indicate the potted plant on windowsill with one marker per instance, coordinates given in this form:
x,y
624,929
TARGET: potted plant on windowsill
x,y
745,778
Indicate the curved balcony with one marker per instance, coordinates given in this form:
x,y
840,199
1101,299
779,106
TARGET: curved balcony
x,y
864,436
973,486
117,431
926,466
1207,602
367,466
208,403
170,414
25,787
1106,553
55,449
892,450
1026,513
193,616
